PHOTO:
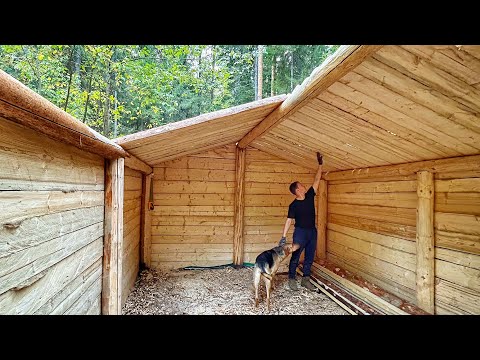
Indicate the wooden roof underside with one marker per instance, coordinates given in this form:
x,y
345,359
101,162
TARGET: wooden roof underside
x,y
201,133
398,104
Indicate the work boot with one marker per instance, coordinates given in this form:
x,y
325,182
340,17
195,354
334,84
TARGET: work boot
x,y
292,284
307,284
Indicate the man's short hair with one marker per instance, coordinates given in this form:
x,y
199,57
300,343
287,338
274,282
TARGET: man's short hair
x,y
293,187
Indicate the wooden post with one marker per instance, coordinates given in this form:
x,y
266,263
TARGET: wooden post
x,y
113,238
425,273
322,220
239,206
146,223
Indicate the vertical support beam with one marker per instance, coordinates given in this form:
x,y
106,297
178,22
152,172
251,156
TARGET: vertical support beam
x,y
146,223
322,207
425,274
238,242
113,238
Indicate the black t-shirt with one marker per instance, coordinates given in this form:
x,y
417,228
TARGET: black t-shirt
x,y
303,211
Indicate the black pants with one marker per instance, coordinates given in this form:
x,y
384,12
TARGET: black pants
x,y
307,238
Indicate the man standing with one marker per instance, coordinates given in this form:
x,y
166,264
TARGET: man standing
x,y
302,210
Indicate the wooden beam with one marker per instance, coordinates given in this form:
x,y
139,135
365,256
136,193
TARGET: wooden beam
x,y
113,237
425,272
204,118
146,223
238,242
136,164
322,220
346,58
460,163
360,292
24,106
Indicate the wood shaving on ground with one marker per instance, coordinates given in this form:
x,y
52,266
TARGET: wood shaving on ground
x,y
226,291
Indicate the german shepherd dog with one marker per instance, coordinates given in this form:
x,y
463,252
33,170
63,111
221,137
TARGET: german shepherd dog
x,y
266,266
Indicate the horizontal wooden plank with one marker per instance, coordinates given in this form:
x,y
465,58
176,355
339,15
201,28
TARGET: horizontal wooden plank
x,y
192,239
192,248
199,174
35,231
264,220
263,229
266,211
400,258
33,259
19,269
379,213
392,242
386,179
267,177
459,297
374,187
443,165
128,215
27,185
195,162
458,274
132,194
75,289
268,200
193,199
255,166
83,303
193,187
56,278
376,267
192,220
269,238
132,183
379,227
181,210
461,223
192,230
457,257
461,203
26,155
457,241
192,257
467,185
258,188
21,205
401,200
457,174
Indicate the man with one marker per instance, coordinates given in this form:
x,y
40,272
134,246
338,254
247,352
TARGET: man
x,y
302,210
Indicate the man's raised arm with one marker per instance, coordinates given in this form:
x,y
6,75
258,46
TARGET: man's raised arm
x,y
318,175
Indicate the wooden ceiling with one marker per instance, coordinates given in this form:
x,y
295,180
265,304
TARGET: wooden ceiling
x,y
368,106
401,104
198,134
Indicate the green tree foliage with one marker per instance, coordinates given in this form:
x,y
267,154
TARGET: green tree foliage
x,y
122,89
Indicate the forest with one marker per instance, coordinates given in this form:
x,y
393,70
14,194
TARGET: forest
x,y
122,89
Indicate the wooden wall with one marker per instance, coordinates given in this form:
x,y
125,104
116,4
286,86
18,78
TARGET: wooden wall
x,y
51,225
192,223
267,197
457,243
131,230
372,232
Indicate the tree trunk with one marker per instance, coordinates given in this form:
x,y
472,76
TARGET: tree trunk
x,y
213,74
71,69
260,72
272,79
291,72
106,108
89,88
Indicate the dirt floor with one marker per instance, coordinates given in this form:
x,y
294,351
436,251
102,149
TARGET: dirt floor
x,y
219,291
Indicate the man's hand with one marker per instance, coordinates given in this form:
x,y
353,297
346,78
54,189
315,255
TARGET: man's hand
x,y
283,241
319,158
